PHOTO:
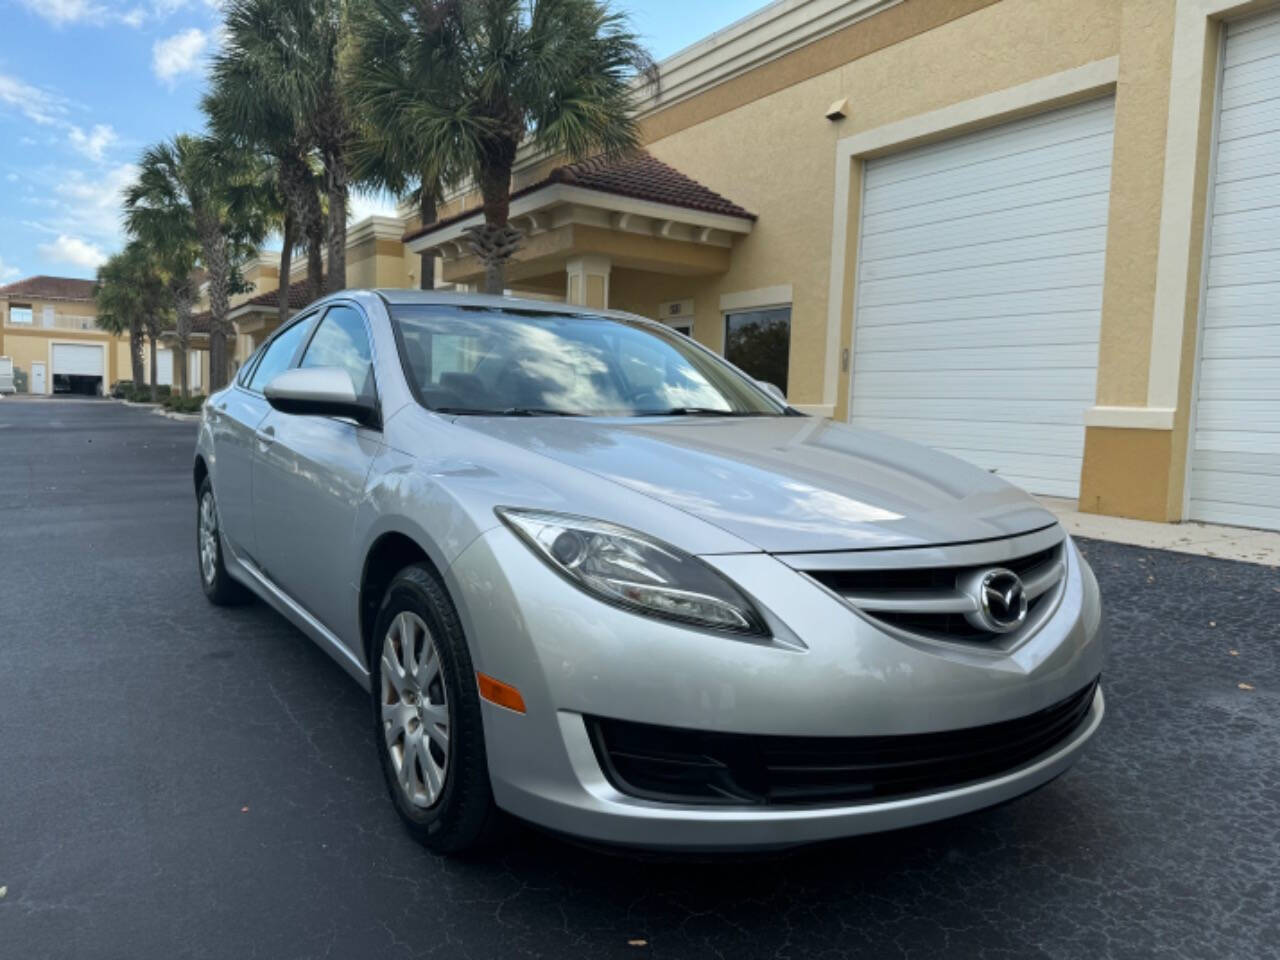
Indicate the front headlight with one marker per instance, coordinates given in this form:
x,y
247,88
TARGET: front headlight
x,y
626,568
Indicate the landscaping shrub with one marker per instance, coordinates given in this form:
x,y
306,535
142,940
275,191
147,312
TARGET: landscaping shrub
x,y
179,404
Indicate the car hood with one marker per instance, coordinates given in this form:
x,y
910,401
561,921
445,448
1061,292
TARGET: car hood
x,y
786,484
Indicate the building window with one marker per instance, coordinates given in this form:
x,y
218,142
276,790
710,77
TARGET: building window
x,y
759,343
20,315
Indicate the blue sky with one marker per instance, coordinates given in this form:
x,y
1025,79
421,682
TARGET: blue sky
x,y
85,85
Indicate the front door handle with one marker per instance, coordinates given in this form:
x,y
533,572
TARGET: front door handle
x,y
266,437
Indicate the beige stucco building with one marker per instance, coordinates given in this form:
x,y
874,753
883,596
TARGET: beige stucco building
x,y
980,224
48,331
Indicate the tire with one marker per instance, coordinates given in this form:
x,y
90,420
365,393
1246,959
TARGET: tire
x,y
448,807
218,586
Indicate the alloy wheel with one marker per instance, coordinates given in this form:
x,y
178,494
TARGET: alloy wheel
x,y
415,709
208,538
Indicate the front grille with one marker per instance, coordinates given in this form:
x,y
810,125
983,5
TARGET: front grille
x,y
931,601
688,766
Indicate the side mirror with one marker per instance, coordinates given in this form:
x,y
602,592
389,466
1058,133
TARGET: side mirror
x,y
320,391
772,390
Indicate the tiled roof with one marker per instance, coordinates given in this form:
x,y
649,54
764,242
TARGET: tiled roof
x,y
638,175
299,297
50,288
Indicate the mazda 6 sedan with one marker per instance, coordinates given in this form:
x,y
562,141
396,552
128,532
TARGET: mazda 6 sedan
x,y
596,577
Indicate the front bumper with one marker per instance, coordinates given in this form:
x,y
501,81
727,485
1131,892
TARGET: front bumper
x,y
828,674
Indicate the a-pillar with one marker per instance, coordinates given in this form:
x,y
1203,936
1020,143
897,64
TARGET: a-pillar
x,y
587,282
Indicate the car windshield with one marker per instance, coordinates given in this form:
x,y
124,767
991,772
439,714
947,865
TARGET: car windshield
x,y
504,362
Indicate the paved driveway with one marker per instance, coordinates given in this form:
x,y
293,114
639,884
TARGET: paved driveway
x,y
177,780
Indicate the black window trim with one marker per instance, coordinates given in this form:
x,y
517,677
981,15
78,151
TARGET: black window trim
x,y
252,367
323,312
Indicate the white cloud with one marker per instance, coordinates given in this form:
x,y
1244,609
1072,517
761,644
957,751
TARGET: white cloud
x,y
95,142
62,12
179,54
38,106
11,177
7,272
74,251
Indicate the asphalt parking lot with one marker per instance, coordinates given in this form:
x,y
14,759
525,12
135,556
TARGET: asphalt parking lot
x,y
179,780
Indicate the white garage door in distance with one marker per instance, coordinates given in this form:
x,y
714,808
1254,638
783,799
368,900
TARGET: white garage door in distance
x,y
81,359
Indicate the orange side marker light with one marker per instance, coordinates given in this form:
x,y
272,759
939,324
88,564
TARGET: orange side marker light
x,y
503,694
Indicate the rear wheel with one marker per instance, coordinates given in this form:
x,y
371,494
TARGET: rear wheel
x,y
426,717
217,583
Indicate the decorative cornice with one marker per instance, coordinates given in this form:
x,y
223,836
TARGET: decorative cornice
x,y
774,31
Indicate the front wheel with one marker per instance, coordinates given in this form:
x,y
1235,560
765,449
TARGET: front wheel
x,y
217,583
426,717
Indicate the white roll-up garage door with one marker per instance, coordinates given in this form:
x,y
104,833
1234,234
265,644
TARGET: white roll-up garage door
x,y
78,359
979,293
164,368
1235,448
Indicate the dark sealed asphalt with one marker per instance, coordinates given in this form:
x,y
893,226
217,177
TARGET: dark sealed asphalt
x,y
182,781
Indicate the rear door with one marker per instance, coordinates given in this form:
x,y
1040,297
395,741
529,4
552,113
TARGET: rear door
x,y
309,478
234,419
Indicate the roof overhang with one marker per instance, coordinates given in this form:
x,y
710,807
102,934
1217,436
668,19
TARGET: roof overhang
x,y
558,205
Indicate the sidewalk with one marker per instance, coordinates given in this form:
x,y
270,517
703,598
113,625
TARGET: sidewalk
x,y
1200,539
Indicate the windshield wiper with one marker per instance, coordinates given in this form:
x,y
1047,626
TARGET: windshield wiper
x,y
506,412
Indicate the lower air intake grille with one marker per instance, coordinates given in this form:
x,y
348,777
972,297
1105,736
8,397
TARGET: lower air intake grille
x,y
689,766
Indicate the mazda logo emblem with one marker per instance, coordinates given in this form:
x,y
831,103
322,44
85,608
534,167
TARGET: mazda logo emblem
x,y
1002,601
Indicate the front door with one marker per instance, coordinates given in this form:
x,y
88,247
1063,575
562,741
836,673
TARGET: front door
x,y
234,417
309,479
37,378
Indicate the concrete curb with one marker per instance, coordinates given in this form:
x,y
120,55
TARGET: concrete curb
x,y
173,415
1190,537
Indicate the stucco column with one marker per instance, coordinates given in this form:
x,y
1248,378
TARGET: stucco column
x,y
587,282
1135,456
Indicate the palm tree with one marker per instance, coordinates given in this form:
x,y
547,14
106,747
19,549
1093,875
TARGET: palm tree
x,y
196,198
245,109
459,85
133,294
288,52
125,284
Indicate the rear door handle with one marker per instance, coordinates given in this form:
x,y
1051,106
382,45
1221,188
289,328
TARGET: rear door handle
x,y
266,437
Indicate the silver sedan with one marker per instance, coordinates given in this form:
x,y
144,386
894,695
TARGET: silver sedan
x,y
596,577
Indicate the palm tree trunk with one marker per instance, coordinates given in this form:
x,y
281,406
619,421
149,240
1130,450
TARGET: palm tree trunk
x,y
496,241
155,393
429,213
335,169
135,352
304,203
286,267
183,295
180,361
214,245
315,264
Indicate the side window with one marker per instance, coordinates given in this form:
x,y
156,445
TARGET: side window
x,y
342,341
243,377
279,354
